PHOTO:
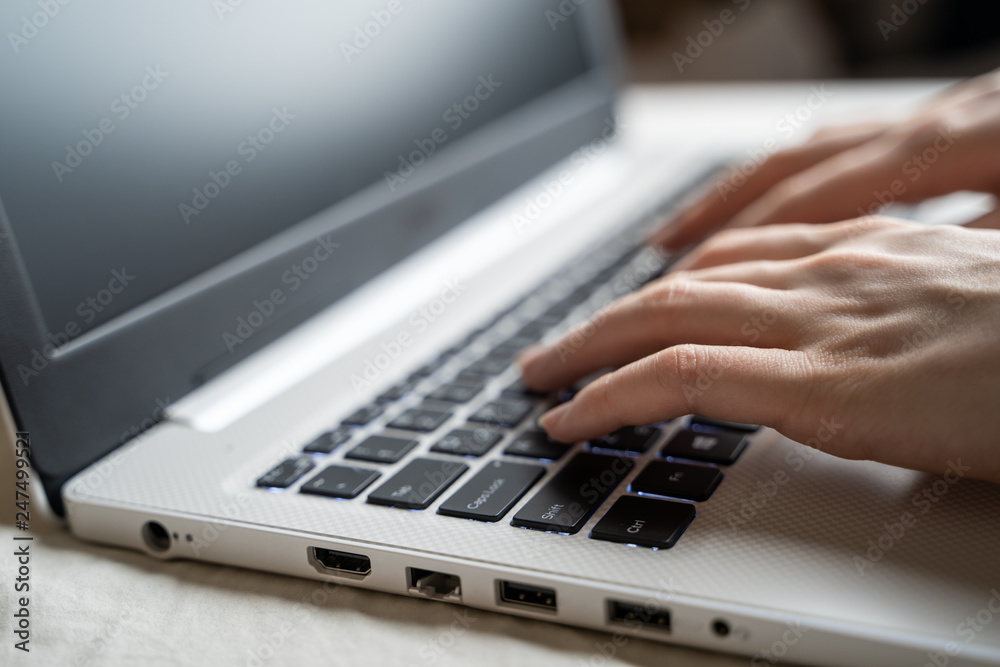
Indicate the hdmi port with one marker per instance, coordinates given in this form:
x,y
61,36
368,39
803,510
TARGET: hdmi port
x,y
526,595
340,562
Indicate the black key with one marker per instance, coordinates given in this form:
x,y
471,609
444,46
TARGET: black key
x,y
647,522
721,423
579,295
677,480
561,310
520,341
472,379
488,365
340,482
493,491
429,368
503,352
636,439
419,419
574,494
716,447
286,473
536,445
549,319
468,442
417,485
518,389
535,330
503,412
397,391
456,393
469,379
364,415
329,441
381,449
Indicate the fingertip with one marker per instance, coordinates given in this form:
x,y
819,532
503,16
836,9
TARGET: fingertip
x,y
530,362
553,420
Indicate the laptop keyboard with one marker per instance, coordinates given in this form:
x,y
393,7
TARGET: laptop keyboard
x,y
467,411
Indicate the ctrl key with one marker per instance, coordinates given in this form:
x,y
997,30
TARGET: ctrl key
x,y
646,522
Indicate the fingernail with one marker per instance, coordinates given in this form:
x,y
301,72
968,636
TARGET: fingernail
x,y
553,417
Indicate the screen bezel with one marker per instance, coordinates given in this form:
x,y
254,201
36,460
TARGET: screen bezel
x,y
96,392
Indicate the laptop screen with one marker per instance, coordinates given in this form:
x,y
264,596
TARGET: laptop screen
x,y
147,142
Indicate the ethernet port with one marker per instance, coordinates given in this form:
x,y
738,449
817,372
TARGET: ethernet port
x,y
434,585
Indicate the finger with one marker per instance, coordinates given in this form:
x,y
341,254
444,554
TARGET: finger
x,y
775,242
742,384
665,313
767,274
737,191
895,168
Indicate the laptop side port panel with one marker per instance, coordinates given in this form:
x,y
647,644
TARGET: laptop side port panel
x,y
434,585
637,616
340,563
527,596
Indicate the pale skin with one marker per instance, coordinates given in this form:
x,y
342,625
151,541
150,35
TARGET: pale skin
x,y
889,329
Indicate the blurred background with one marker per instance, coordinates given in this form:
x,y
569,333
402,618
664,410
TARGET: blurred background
x,y
808,39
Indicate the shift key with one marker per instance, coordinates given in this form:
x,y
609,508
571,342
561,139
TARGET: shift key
x,y
574,493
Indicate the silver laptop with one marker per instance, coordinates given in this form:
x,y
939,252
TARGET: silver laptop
x,y
265,269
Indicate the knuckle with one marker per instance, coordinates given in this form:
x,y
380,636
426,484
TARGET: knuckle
x,y
920,132
668,294
681,363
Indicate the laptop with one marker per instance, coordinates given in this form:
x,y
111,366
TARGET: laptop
x,y
265,272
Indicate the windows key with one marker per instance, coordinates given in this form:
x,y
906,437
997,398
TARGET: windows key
x,y
722,447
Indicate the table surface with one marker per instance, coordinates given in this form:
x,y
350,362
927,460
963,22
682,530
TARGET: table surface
x,y
94,605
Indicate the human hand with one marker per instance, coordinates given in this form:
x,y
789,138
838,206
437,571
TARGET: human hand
x,y
843,172
887,328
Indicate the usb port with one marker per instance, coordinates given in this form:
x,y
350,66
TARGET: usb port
x,y
527,595
340,562
637,615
